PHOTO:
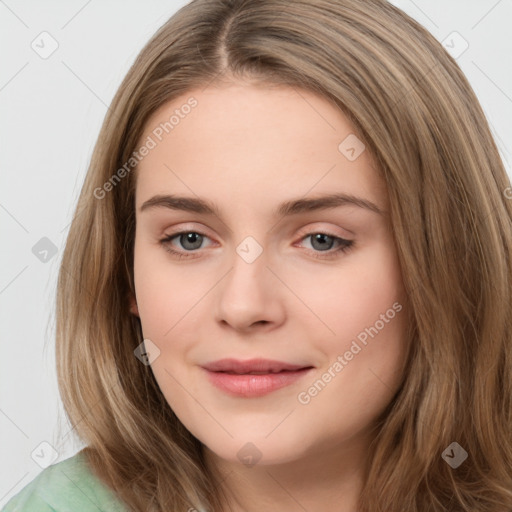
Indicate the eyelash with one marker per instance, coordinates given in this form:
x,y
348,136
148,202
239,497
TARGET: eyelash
x,y
345,246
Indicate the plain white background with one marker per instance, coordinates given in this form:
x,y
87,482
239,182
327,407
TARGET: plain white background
x,y
51,111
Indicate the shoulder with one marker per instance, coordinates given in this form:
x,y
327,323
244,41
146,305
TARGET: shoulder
x,y
65,486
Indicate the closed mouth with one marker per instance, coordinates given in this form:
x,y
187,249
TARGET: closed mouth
x,y
253,366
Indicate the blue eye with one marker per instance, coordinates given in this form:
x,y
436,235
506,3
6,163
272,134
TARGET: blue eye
x,y
184,238
320,239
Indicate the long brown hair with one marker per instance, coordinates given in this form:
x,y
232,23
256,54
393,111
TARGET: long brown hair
x,y
452,223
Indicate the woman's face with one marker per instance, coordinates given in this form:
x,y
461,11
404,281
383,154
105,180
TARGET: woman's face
x,y
266,269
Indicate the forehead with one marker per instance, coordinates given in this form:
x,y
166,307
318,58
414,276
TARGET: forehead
x,y
254,143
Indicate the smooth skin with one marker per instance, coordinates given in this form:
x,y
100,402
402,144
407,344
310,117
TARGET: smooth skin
x,y
247,148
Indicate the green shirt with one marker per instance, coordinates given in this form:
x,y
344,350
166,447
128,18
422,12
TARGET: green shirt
x,y
67,486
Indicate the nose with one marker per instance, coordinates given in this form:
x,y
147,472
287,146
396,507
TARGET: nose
x,y
250,295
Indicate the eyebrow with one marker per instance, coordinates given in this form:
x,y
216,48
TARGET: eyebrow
x,y
288,208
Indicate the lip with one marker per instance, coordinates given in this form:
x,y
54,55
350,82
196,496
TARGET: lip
x,y
233,376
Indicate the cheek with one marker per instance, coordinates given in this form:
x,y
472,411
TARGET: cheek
x,y
153,298
166,292
352,297
364,359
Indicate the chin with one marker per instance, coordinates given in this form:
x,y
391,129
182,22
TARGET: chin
x,y
250,450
